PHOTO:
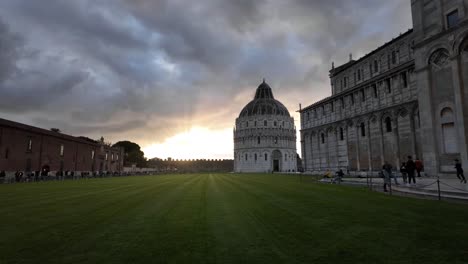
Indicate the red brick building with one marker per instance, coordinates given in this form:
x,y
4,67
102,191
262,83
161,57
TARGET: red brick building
x,y
27,148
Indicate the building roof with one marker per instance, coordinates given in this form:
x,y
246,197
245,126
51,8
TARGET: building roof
x,y
264,103
37,130
347,65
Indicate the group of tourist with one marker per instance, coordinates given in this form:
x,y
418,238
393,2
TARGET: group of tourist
x,y
36,176
410,168
408,172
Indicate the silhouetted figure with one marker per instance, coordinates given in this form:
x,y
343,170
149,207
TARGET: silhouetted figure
x,y
387,175
404,172
339,176
419,166
410,168
459,168
2,176
17,176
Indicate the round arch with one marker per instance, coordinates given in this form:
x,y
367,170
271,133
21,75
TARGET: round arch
x,y
435,48
439,57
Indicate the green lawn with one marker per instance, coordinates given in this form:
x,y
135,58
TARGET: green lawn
x,y
224,218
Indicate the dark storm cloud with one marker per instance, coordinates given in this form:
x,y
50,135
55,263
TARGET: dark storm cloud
x,y
140,67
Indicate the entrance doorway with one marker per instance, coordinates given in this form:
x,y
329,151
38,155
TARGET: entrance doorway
x,y
276,158
276,165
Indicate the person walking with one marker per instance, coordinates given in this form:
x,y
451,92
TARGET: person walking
x,y
459,168
2,176
419,166
387,175
338,177
404,172
410,168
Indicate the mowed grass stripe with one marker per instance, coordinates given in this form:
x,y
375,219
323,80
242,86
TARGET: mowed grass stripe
x,y
239,237
129,236
349,221
91,216
224,218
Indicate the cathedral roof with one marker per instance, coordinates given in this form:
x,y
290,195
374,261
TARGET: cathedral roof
x,y
264,103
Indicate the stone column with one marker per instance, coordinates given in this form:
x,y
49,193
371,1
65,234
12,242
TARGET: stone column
x,y
397,140
428,126
327,148
319,143
312,165
304,156
358,158
413,135
459,113
381,139
337,152
369,146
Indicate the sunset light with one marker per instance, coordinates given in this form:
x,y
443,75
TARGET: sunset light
x,y
196,143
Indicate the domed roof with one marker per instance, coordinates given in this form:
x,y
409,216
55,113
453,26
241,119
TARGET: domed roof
x,y
264,103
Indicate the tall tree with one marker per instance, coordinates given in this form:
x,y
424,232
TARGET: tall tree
x,y
133,153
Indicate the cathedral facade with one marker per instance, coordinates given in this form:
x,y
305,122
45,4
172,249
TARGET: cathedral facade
x,y
265,135
406,98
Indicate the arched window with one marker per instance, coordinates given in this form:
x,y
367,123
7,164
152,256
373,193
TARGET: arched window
x,y
29,144
255,156
266,157
255,124
439,58
275,123
62,149
363,130
341,133
449,133
258,140
247,124
388,124
246,156
323,138
265,123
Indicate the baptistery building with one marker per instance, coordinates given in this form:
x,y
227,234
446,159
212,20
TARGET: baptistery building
x,y
265,135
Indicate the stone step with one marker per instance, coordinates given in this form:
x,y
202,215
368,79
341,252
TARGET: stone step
x,y
432,191
457,195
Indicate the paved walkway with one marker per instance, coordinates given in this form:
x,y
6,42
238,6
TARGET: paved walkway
x,y
449,188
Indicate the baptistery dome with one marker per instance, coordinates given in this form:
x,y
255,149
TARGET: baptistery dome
x,y
264,103
265,135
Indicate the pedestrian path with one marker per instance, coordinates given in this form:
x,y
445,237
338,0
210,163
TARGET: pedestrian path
x,y
450,189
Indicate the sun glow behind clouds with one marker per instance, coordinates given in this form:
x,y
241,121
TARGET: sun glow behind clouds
x,y
197,143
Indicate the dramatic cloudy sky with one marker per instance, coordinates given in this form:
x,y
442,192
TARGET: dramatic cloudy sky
x,y
172,75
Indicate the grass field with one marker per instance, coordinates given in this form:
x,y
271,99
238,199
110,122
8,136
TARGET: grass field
x,y
224,218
